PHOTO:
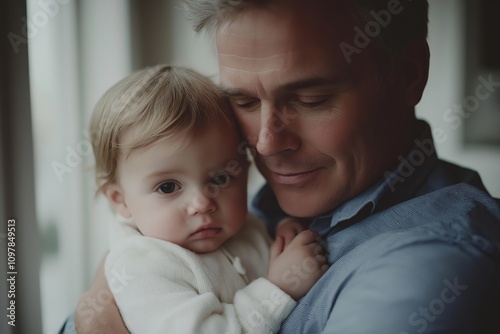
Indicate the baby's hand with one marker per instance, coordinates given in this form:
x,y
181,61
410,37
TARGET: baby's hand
x,y
289,228
297,267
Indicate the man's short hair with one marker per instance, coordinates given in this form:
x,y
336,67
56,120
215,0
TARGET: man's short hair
x,y
409,23
155,102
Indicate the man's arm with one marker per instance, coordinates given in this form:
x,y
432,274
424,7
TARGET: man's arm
x,y
97,312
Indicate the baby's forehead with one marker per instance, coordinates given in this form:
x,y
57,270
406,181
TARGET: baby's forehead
x,y
140,137
212,146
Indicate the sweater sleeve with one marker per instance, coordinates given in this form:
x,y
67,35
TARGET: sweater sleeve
x,y
164,290
262,306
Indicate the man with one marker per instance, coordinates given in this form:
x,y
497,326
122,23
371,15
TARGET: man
x,y
325,95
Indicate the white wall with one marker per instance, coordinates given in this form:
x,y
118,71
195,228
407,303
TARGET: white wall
x,y
446,87
190,49
82,49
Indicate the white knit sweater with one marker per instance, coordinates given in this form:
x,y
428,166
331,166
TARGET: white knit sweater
x,y
160,287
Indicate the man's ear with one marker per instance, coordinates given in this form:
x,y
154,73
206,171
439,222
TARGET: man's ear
x,y
115,195
415,68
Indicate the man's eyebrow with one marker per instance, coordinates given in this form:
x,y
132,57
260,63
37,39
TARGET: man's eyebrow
x,y
306,83
312,82
228,92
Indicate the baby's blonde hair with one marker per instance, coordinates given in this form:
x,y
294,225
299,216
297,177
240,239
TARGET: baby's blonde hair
x,y
161,101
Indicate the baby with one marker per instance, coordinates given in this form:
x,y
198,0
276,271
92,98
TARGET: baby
x,y
170,162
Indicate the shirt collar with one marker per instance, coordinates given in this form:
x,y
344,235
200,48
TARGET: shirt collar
x,y
363,204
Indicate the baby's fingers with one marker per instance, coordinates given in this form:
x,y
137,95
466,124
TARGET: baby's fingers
x,y
276,247
288,235
305,237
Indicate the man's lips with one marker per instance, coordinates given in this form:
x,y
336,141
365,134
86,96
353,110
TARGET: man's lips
x,y
206,231
293,177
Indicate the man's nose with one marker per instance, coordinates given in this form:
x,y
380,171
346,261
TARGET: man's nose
x,y
201,204
275,133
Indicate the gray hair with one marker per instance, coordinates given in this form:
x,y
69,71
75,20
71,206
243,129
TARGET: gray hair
x,y
411,23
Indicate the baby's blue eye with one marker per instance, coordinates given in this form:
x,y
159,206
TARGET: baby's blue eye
x,y
168,187
221,179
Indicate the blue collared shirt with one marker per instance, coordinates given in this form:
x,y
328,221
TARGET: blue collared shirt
x,y
417,252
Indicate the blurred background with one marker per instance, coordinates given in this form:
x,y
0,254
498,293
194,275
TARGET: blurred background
x,y
79,48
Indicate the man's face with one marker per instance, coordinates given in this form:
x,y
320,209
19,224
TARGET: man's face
x,y
323,130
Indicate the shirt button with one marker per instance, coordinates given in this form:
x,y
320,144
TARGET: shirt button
x,y
238,266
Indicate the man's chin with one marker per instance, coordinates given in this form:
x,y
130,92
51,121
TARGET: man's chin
x,y
300,206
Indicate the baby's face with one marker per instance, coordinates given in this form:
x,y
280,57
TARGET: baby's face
x,y
189,191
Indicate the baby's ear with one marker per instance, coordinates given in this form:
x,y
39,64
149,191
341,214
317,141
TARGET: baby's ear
x,y
116,197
